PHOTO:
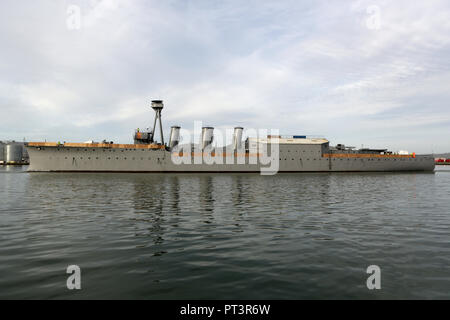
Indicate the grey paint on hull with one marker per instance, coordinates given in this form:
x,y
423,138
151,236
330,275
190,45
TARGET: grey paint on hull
x,y
297,158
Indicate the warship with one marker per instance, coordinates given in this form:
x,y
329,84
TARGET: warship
x,y
268,155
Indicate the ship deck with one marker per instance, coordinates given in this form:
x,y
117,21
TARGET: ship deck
x,y
96,145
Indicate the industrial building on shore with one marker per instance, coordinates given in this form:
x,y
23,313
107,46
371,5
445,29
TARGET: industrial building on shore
x,y
13,153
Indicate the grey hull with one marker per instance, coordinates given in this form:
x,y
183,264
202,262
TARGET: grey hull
x,y
291,159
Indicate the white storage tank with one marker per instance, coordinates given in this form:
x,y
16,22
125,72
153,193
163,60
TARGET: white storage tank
x,y
25,155
2,152
13,153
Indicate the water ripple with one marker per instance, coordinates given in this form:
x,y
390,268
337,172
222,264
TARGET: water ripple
x,y
189,236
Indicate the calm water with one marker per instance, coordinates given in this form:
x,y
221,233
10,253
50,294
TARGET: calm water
x,y
236,236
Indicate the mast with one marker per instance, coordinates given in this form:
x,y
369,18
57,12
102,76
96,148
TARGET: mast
x,y
158,105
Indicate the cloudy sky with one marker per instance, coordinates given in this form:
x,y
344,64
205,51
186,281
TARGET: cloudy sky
x,y
357,72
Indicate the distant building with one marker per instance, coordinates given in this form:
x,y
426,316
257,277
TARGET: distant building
x,y
12,152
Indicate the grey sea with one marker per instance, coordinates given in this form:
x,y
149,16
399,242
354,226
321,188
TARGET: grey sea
x,y
224,236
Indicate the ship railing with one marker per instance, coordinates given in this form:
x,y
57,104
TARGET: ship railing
x,y
302,136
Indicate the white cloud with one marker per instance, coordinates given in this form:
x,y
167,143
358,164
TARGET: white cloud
x,y
310,67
